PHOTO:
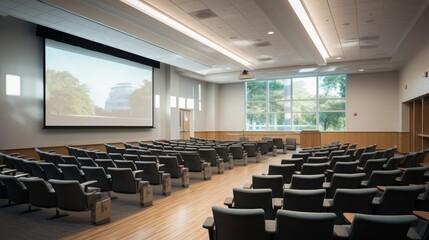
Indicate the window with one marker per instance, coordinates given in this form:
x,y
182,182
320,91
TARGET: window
x,y
317,102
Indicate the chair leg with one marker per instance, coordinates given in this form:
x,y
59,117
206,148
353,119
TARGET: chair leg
x,y
29,210
58,214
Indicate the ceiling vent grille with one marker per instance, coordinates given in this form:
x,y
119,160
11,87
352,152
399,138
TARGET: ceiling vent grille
x,y
203,14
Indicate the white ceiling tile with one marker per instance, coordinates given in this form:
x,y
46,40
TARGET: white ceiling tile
x,y
340,3
345,10
215,3
192,6
225,10
178,2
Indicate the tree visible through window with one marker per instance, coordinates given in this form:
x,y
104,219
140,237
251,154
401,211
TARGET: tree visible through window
x,y
297,104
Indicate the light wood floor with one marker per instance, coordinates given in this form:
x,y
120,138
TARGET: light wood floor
x,y
180,215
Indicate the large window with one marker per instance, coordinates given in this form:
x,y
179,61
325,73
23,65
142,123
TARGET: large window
x,y
297,104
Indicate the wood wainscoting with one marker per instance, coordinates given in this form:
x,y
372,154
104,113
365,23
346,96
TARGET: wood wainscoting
x,y
382,139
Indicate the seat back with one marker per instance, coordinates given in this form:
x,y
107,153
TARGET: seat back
x,y
192,161
39,193
71,160
304,225
99,174
353,201
321,154
414,175
36,170
358,153
262,146
291,143
150,172
335,159
380,154
209,155
304,156
273,182
373,164
116,156
394,162
408,160
304,200
236,151
346,167
321,159
16,191
250,149
70,195
297,162
254,198
365,157
383,178
72,172
171,165
51,171
87,161
105,163
399,199
307,181
102,155
123,180
366,227
149,158
233,224
345,180
278,142
313,168
336,153
125,164
131,157
286,170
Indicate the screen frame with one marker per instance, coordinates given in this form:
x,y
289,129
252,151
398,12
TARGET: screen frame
x,y
46,126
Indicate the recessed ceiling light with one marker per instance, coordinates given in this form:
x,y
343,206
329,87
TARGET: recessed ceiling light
x,y
361,70
338,58
306,70
270,33
228,68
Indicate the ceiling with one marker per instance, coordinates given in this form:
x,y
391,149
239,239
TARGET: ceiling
x,y
358,34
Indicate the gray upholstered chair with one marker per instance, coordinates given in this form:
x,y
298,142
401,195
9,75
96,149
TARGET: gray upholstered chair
x,y
321,154
273,182
358,153
343,180
71,196
297,162
98,174
51,171
17,193
238,153
41,194
236,224
253,198
286,170
304,200
154,176
393,162
409,160
382,178
116,156
335,159
398,200
36,170
352,201
336,153
72,172
372,165
149,158
125,164
342,167
365,157
368,227
313,168
102,155
413,175
304,156
170,164
87,161
321,159
68,159
193,162
105,163
293,225
131,157
252,151
278,142
291,143
306,181
124,180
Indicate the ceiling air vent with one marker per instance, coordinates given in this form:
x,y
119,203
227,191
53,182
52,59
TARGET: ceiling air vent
x,y
263,44
203,14
264,59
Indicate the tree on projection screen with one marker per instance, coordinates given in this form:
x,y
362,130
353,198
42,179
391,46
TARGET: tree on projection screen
x,y
88,88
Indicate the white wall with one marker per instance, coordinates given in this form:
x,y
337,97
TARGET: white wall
x,y
21,117
374,97
232,107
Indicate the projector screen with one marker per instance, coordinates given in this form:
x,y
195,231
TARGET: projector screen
x,y
87,88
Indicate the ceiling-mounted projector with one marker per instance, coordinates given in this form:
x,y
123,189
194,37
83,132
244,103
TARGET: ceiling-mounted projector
x,y
246,75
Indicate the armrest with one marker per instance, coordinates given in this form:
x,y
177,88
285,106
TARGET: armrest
x,y
270,226
31,158
9,171
209,223
277,203
228,201
247,186
326,185
21,175
137,171
161,165
14,154
87,183
327,203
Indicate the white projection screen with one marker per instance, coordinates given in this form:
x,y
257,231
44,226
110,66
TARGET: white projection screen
x,y
85,88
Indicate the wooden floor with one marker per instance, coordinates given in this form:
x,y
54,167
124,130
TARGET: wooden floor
x,y
180,215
